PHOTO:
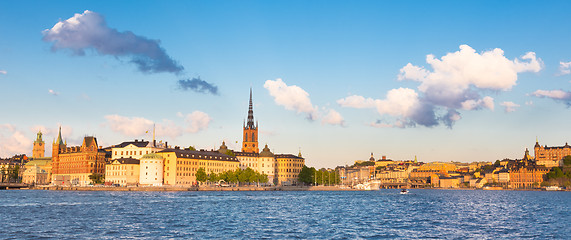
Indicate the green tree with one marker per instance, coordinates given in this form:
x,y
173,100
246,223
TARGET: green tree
x,y
213,177
97,178
191,148
567,161
230,153
201,175
497,163
305,175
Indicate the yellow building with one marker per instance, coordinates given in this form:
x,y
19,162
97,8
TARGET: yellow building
x,y
180,165
123,171
38,171
288,167
441,167
551,156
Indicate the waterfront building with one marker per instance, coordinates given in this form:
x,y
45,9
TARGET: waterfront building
x,y
441,167
122,171
551,156
449,182
526,173
151,170
421,178
38,171
74,165
288,167
264,162
180,165
10,164
136,149
39,146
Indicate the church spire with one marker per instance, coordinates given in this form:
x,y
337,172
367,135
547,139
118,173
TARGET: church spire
x,y
59,140
250,124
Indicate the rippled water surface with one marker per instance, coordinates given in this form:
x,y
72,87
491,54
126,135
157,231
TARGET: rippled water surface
x,y
438,214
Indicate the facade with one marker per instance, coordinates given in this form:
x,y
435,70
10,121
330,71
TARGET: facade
x,y
264,162
288,167
39,147
152,170
135,149
526,173
250,133
122,172
180,165
38,171
74,165
551,156
449,182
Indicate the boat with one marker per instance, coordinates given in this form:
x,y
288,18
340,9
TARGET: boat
x,y
404,191
553,188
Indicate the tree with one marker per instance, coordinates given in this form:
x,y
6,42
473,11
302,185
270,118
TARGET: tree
x,y
497,163
201,175
305,175
191,148
97,178
230,153
567,161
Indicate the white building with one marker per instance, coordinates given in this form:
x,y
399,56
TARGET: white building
x,y
136,149
151,170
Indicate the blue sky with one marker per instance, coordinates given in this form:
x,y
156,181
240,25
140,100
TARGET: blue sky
x,y
336,79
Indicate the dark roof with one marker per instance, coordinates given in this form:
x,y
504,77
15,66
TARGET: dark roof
x,y
247,154
209,155
126,161
136,143
266,152
89,141
287,156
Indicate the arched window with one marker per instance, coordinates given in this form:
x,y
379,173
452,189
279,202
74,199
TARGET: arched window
x,y
245,137
253,137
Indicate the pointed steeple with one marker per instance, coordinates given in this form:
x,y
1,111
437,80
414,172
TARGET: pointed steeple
x,y
250,124
59,140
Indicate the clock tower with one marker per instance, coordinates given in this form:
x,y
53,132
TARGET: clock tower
x,y
39,146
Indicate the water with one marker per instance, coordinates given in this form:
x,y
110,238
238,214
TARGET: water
x,y
438,214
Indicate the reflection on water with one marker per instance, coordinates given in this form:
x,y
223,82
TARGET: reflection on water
x,y
440,214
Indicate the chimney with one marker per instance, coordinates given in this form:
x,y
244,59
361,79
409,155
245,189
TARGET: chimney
x,y
154,143
136,140
166,144
384,157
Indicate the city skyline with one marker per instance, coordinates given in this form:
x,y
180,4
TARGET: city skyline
x,y
445,81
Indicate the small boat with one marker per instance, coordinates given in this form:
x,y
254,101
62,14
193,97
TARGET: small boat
x,y
404,191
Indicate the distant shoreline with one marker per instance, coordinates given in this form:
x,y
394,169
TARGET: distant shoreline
x,y
242,188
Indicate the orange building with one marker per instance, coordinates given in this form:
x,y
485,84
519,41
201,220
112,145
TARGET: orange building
x,y
288,167
551,156
525,173
74,165
250,143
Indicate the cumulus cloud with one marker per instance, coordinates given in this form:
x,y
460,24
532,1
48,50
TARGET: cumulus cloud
x,y
129,126
52,92
557,95
197,85
291,97
509,106
197,121
564,68
333,118
3,72
89,31
13,141
138,126
456,81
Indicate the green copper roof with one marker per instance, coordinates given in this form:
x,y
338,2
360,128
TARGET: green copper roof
x,y
152,156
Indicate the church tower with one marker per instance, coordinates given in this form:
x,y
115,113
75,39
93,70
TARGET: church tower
x,y
39,147
250,142
56,147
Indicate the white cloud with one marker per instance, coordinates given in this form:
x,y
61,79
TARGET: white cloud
x,y
529,103
13,141
558,95
509,106
291,97
138,126
52,92
457,76
132,127
333,118
197,121
471,104
3,72
455,81
564,68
